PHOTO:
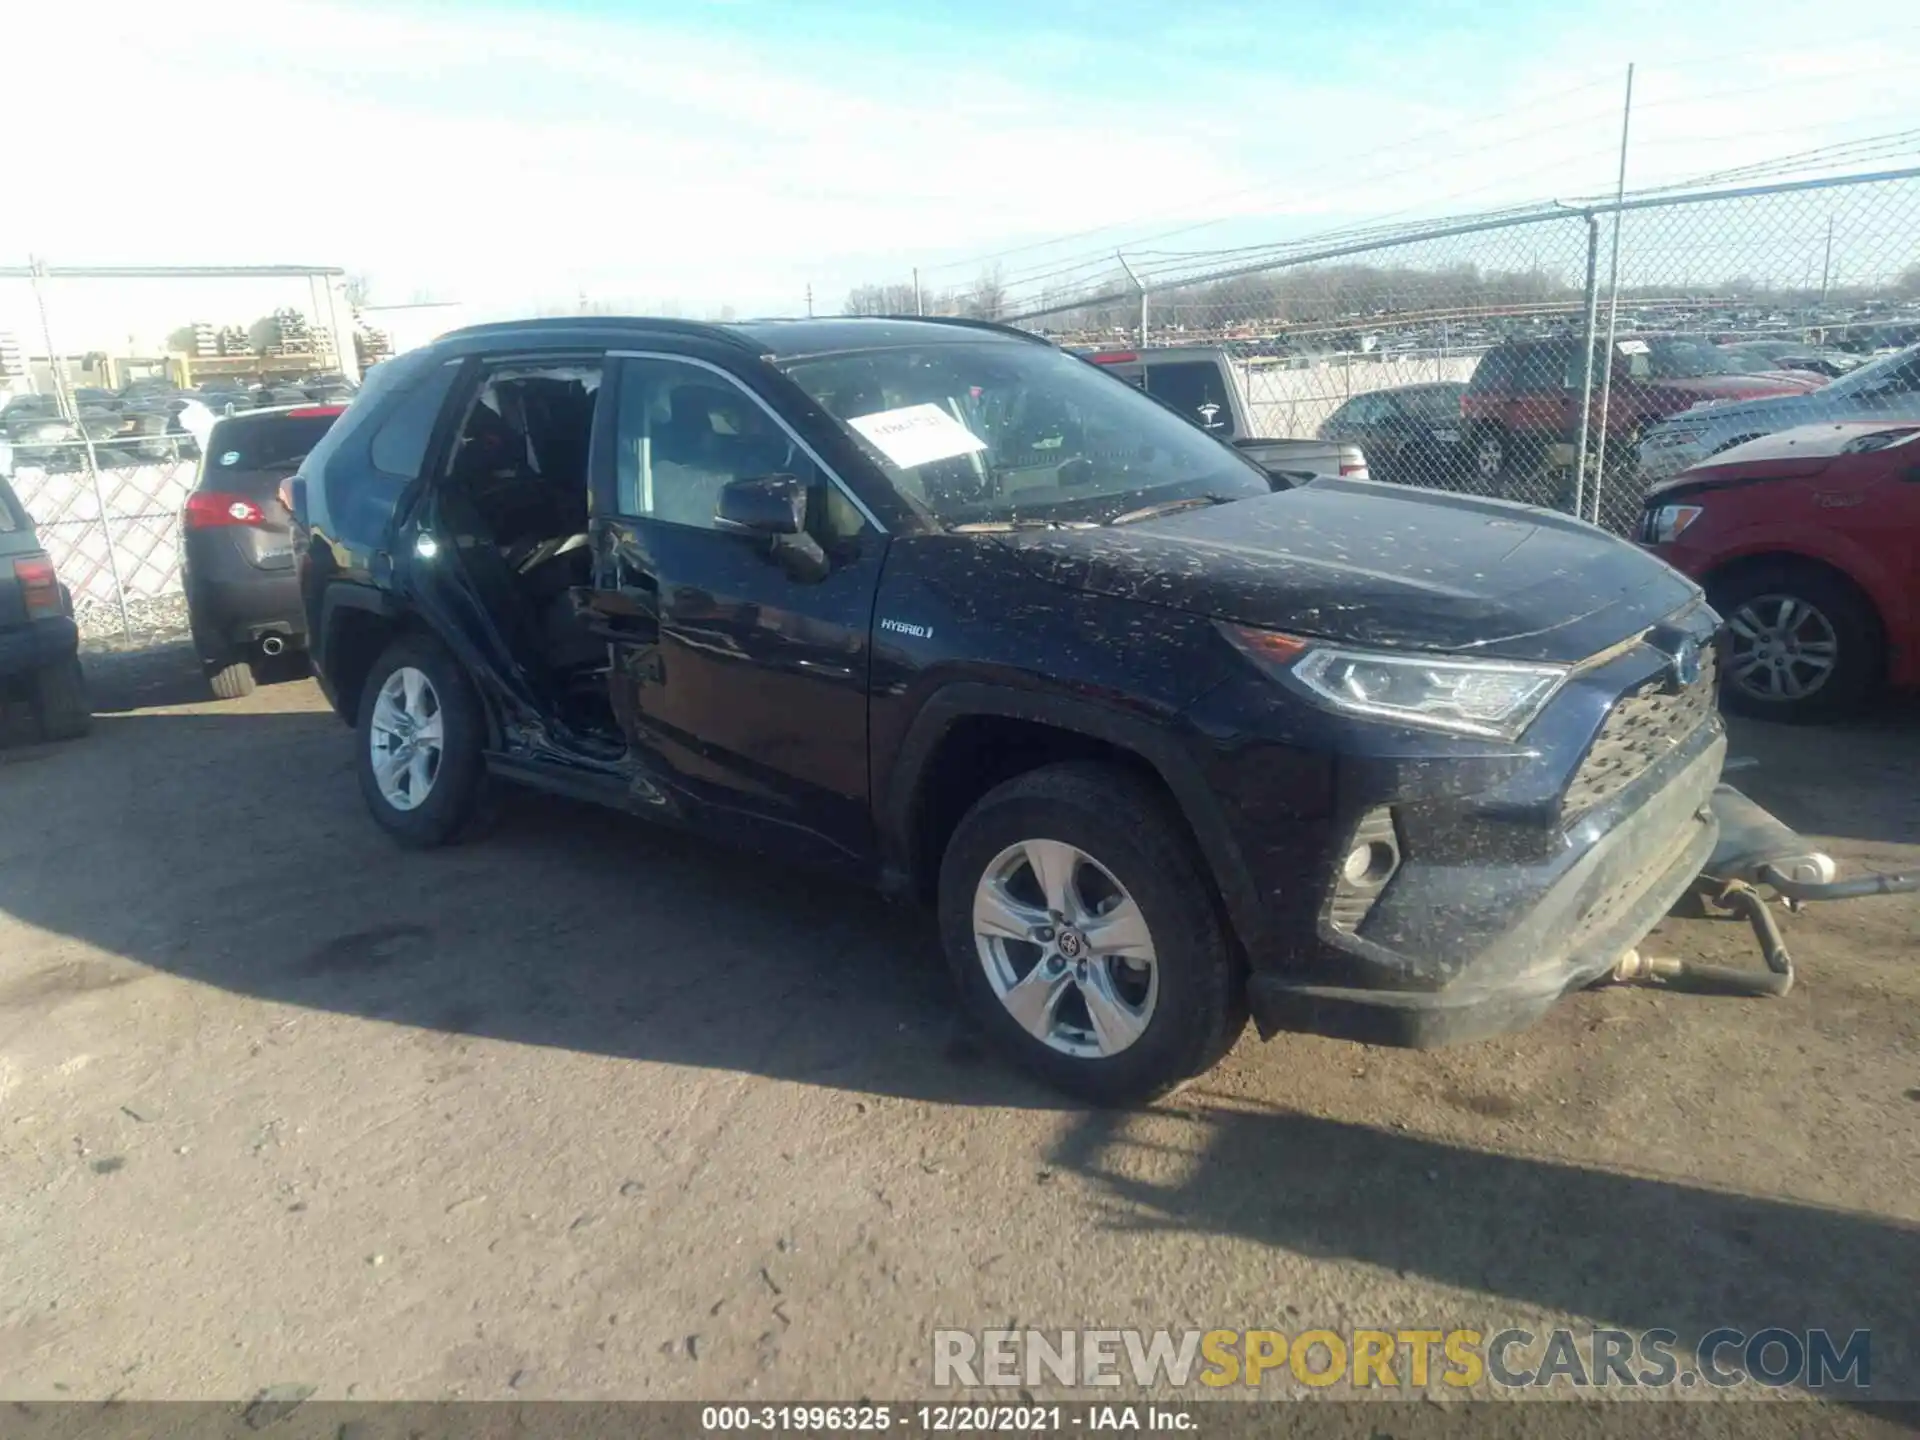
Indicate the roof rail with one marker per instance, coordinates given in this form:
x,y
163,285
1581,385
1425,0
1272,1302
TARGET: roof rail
x,y
968,322
658,324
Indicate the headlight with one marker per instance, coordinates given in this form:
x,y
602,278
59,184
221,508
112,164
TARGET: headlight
x,y
1664,525
1468,697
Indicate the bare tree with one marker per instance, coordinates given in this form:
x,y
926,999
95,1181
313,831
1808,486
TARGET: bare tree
x,y
358,286
894,299
988,297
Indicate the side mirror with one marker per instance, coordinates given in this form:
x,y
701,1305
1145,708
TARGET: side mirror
x,y
764,505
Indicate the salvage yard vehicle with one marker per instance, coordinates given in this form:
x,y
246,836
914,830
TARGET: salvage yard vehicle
x,y
1884,390
39,642
236,561
1409,434
1808,542
1522,406
1203,385
936,604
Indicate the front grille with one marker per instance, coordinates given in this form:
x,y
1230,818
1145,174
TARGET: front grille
x,y
1643,725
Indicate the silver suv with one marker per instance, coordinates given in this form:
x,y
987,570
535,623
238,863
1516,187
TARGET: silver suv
x,y
1886,389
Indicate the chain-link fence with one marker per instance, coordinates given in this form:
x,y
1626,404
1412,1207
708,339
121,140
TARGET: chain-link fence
x,y
98,370
1542,355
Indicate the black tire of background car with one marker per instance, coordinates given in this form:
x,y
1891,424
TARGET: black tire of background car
x,y
60,707
1129,827
232,680
1856,627
454,807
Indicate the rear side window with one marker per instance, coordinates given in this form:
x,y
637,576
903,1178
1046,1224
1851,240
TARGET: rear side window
x,y
1195,388
278,442
400,444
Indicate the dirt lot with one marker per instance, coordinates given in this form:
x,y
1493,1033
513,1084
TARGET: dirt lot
x,y
583,1109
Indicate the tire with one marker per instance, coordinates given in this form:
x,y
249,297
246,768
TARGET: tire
x,y
1487,460
60,708
231,679
438,800
1184,1008
1828,611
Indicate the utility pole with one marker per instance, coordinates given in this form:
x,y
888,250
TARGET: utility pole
x,y
918,307
809,300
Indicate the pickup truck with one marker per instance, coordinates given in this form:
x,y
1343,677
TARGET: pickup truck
x,y
1202,384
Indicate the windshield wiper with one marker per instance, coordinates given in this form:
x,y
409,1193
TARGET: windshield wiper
x,y
1167,507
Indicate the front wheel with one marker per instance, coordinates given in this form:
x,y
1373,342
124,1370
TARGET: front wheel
x,y
420,735
1802,644
1085,936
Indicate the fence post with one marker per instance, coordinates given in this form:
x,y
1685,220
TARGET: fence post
x,y
56,363
1586,370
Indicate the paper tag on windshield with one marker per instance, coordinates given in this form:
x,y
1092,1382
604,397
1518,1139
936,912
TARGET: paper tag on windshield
x,y
1631,347
917,435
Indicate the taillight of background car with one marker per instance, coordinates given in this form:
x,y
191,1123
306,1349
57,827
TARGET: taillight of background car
x,y
39,586
210,509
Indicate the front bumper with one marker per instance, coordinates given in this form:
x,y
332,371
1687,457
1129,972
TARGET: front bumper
x,y
1512,936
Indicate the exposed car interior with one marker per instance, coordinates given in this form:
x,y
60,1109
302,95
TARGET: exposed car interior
x,y
513,504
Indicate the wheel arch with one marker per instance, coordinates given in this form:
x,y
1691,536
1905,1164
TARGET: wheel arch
x,y
969,737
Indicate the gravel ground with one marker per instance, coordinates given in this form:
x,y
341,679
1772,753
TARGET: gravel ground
x,y
583,1109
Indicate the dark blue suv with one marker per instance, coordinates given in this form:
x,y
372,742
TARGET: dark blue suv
x,y
936,604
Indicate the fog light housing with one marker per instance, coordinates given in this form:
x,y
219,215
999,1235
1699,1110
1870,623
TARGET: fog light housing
x,y
1371,858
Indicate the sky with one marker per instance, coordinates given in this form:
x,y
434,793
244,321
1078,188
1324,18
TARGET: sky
x,y
713,156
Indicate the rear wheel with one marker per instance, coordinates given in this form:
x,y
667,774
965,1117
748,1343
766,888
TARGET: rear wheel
x,y
60,707
1085,937
421,734
1802,644
1489,457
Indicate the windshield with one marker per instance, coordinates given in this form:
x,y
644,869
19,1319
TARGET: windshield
x,y
1878,374
999,433
1674,359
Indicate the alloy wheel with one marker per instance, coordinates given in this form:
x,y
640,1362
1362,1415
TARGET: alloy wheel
x,y
1489,457
1783,648
407,736
1066,949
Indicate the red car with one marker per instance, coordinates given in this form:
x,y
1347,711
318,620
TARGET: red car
x,y
1808,543
1524,397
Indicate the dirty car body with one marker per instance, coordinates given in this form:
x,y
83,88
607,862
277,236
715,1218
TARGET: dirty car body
x,y
1422,763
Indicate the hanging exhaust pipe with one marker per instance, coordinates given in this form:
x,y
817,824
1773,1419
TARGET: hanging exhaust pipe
x,y
271,645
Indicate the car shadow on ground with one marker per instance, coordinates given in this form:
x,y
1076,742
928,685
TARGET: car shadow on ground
x,y
1634,1252
1795,764
230,847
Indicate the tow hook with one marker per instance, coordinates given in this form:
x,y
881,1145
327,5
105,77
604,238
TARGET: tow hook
x,y
1758,857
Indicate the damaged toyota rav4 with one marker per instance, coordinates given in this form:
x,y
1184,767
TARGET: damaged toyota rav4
x,y
937,604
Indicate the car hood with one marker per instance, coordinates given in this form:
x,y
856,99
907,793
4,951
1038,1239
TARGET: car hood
x,y
1379,565
1775,412
1795,454
1712,388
